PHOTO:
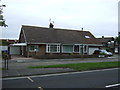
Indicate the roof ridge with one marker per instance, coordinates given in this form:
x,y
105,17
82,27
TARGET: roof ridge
x,y
33,26
55,28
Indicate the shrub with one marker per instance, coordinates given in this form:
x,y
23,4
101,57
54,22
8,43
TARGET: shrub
x,y
107,49
103,53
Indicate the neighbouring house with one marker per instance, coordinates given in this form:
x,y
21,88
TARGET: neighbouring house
x,y
104,40
4,45
109,43
41,41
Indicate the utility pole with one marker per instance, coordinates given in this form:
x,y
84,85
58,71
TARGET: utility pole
x,y
119,43
118,27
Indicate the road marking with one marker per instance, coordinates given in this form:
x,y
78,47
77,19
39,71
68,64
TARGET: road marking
x,y
30,79
40,88
108,86
59,74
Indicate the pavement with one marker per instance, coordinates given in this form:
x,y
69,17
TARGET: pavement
x,y
18,66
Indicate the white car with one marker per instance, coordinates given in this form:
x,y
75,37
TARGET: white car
x,y
106,52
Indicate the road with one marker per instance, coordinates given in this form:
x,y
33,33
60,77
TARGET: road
x,y
104,78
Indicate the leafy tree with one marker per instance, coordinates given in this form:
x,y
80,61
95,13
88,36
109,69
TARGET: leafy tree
x,y
3,24
2,20
118,39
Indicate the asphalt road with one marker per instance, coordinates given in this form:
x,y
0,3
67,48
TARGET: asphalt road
x,y
105,78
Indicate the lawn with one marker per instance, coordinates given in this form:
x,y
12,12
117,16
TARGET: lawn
x,y
82,66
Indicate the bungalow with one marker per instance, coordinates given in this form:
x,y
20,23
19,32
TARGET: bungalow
x,y
39,41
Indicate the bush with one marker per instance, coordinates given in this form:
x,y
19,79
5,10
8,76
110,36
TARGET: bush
x,y
108,50
103,53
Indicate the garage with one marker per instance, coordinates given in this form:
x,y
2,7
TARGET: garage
x,y
15,49
92,49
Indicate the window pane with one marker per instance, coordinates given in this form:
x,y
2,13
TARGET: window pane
x,y
48,48
85,48
68,48
33,48
53,48
87,36
76,48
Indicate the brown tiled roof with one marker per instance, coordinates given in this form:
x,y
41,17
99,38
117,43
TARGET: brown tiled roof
x,y
105,39
53,35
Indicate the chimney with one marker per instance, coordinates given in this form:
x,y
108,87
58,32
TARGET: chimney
x,y
103,37
82,29
51,25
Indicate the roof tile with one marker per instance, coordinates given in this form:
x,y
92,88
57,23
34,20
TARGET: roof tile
x,y
54,35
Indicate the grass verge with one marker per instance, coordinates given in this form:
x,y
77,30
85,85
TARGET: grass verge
x,y
2,69
82,66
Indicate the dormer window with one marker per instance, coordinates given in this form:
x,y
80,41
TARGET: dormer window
x,y
87,37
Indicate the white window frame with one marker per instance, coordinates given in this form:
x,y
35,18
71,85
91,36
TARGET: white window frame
x,y
48,47
85,51
35,50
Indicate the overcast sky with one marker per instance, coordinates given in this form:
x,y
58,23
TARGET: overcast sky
x,y
100,17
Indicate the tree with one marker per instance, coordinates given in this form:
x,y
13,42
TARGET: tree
x,y
2,20
118,41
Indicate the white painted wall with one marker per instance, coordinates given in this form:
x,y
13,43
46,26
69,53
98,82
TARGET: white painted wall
x,y
91,50
14,50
